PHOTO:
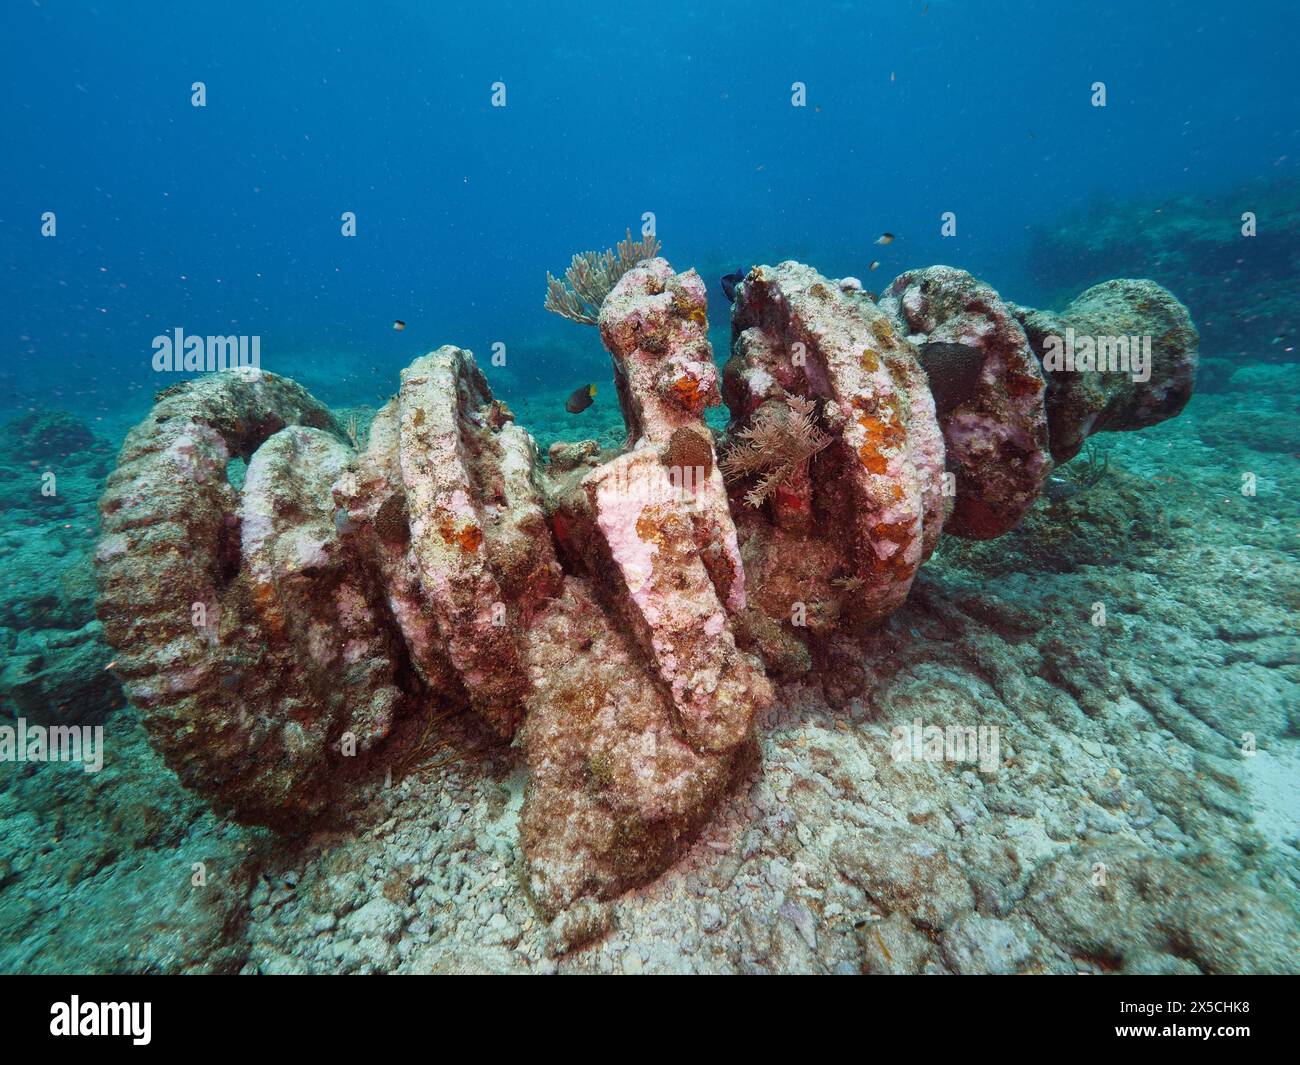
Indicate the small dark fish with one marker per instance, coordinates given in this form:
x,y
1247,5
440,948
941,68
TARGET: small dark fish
x,y
399,325
953,369
730,281
1058,490
885,238
581,399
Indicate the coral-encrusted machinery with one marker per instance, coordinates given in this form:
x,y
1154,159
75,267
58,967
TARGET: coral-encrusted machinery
x,y
619,614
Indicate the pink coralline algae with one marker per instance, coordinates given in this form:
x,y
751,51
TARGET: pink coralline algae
x,y
617,614
996,436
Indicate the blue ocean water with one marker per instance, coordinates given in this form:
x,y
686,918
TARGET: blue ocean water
x,y
227,218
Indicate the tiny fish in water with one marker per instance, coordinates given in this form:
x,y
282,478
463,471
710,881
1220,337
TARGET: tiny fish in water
x,y
398,324
885,238
581,399
1058,490
730,281
874,264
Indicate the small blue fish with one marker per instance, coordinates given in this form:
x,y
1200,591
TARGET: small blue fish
x,y
730,281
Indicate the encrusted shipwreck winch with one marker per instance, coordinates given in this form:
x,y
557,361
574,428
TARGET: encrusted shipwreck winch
x,y
618,614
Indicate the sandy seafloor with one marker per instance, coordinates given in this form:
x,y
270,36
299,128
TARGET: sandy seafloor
x,y
1120,747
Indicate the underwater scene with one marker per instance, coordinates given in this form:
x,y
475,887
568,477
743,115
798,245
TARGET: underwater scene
x,y
650,489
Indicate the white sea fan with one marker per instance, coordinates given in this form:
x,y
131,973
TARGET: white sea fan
x,y
591,275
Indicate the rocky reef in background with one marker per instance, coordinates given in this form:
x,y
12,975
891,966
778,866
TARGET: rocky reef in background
x,y
54,654
1240,290
621,611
